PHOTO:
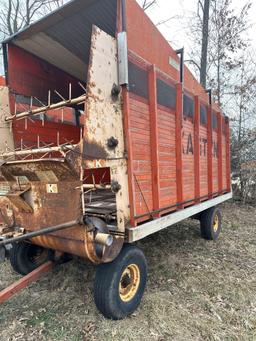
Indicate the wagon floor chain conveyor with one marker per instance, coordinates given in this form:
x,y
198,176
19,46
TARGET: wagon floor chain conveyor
x,y
106,138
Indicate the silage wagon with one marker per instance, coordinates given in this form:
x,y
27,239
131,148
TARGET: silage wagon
x,y
106,138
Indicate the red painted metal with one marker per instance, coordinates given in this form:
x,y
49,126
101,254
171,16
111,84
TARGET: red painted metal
x,y
48,132
98,176
2,81
25,281
28,75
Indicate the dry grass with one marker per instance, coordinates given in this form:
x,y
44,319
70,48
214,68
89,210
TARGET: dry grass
x,y
197,290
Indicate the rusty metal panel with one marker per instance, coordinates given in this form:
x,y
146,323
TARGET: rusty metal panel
x,y
6,135
46,209
105,120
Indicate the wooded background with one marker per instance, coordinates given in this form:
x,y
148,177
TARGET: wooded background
x,y
222,59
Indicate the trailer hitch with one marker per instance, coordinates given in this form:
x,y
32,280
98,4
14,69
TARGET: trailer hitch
x,y
44,231
2,254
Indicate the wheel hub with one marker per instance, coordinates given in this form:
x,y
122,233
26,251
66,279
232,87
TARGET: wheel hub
x,y
216,223
129,283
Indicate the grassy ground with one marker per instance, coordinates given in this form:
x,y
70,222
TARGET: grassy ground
x,y
197,290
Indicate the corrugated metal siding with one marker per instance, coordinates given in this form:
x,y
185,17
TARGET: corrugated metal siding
x,y
64,37
54,54
74,32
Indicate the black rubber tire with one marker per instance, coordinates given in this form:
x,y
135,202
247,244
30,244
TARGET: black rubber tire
x,y
207,223
107,279
22,257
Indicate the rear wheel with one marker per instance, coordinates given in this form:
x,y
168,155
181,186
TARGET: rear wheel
x,y
211,223
119,286
26,257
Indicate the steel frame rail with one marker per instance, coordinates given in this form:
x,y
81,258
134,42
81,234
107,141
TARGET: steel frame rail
x,y
144,230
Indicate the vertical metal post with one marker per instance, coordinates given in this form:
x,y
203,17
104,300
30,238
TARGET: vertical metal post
x,y
124,25
209,92
181,53
5,56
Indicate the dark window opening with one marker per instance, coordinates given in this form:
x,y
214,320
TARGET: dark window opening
x,y
188,107
214,121
223,127
138,81
166,94
203,115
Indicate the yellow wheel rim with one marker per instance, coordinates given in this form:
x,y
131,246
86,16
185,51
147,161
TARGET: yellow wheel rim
x,y
129,283
216,223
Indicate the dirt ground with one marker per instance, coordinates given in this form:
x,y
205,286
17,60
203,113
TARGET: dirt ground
x,y
197,290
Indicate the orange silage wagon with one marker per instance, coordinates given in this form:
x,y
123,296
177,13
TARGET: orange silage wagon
x,y
106,138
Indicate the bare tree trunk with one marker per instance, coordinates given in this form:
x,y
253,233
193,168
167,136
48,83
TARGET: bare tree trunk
x,y
218,82
148,3
205,41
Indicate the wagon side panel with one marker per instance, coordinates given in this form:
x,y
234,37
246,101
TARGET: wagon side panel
x,y
179,142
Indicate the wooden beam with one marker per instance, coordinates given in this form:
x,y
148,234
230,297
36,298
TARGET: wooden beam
x,y
128,144
178,133
220,142
209,153
43,150
154,138
197,148
25,281
64,103
228,160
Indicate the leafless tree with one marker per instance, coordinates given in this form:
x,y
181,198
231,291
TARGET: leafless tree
x,y
224,55
244,128
218,38
205,7
16,14
227,41
146,4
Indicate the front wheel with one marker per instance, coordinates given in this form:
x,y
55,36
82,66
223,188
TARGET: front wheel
x,y
119,286
26,257
211,223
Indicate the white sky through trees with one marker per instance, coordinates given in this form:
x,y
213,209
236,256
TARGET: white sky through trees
x,y
180,10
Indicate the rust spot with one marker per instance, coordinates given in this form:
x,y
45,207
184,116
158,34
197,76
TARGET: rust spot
x,y
94,151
